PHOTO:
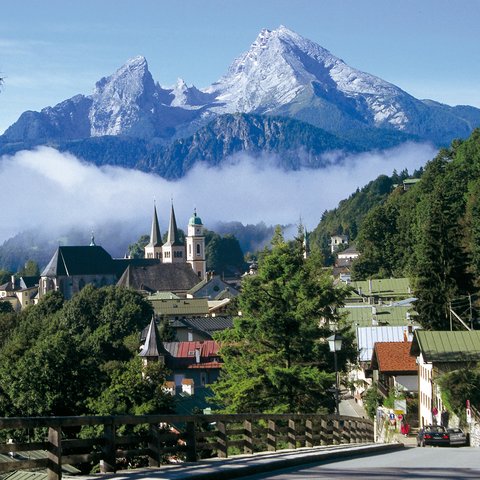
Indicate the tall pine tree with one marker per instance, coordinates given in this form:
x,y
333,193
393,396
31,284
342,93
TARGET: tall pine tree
x,y
276,358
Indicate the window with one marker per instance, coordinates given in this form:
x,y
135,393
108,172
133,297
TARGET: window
x,y
198,249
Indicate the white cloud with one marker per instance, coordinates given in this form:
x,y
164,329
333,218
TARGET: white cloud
x,y
47,189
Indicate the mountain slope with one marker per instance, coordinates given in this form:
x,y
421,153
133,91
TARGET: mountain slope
x,y
286,74
290,143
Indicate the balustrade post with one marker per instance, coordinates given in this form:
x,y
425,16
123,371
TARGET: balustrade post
x,y
108,463
364,433
271,436
336,432
154,459
191,441
308,433
346,431
353,431
54,453
327,426
292,434
247,437
370,433
222,441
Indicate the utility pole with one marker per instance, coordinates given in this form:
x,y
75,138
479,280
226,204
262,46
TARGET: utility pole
x,y
471,314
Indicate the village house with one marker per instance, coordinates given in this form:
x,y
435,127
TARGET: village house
x,y
192,365
200,328
439,352
393,368
20,292
336,241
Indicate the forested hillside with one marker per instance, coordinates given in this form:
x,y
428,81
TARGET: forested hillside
x,y
348,216
430,233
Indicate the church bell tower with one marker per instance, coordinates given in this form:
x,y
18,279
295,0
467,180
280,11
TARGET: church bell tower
x,y
196,246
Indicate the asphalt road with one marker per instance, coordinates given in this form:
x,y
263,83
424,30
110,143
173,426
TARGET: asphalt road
x,y
432,463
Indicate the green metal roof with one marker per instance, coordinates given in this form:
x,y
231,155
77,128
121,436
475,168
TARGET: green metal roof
x,y
384,287
411,181
179,307
366,316
194,220
447,346
163,296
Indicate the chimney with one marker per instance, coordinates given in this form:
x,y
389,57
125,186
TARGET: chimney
x,y
188,386
197,355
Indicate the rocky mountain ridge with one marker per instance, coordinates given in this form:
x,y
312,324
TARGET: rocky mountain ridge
x,y
282,74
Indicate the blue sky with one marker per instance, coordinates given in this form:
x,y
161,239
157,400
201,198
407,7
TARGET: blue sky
x,y
51,50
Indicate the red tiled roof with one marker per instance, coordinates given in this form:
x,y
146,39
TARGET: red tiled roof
x,y
208,348
390,357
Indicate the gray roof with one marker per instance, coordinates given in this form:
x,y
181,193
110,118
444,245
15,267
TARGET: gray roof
x,y
208,325
84,260
368,336
29,282
159,277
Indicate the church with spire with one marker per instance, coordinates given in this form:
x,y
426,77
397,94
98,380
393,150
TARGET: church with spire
x,y
190,251
176,265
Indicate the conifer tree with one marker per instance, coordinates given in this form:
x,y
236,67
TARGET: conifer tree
x,y
276,358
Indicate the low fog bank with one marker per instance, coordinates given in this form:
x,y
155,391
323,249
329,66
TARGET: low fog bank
x,y
52,193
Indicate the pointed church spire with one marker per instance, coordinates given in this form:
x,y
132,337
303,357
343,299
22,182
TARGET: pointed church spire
x,y
155,237
173,238
152,348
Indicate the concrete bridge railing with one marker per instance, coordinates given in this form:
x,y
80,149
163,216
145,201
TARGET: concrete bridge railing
x,y
112,442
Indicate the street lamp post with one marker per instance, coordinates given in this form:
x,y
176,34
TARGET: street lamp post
x,y
335,344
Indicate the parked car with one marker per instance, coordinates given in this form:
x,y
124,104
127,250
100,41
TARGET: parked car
x,y
433,435
457,436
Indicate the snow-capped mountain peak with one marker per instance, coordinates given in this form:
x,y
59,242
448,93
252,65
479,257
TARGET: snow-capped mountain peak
x,y
120,99
282,73
282,67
